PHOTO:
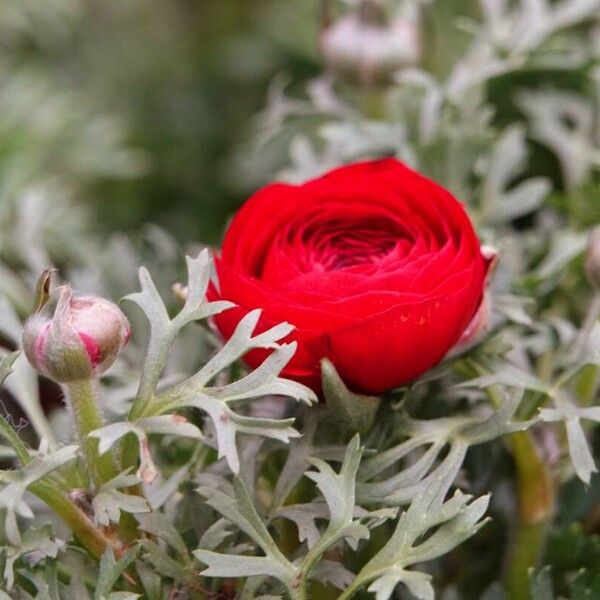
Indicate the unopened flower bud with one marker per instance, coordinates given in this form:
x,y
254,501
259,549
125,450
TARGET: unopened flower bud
x,y
592,258
73,337
365,46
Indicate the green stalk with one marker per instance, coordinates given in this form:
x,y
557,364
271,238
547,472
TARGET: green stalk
x,y
87,415
102,468
535,491
90,537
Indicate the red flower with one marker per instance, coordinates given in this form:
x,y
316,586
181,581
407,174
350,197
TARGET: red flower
x,y
377,267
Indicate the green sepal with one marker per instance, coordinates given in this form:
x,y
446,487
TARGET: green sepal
x,y
354,412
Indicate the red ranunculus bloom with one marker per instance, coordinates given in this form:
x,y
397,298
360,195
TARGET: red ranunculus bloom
x,y
377,267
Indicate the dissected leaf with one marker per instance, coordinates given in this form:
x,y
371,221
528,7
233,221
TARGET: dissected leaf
x,y
110,570
109,502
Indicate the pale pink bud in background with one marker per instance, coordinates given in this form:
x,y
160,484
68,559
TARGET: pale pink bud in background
x,y
74,337
365,47
592,257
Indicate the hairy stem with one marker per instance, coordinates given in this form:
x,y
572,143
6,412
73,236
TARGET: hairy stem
x,y
90,536
87,415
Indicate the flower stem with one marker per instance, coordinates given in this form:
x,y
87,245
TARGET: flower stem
x,y
535,490
87,415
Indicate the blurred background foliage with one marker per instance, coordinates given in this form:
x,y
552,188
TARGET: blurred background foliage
x,y
143,109
146,111
137,106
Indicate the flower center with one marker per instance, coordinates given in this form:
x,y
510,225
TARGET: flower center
x,y
339,244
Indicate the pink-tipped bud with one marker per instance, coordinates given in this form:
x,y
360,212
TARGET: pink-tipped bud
x,y
592,257
366,47
73,337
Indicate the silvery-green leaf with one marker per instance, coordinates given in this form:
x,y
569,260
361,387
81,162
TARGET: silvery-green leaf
x,y
251,587
152,582
164,424
426,440
196,307
511,376
229,565
264,380
193,392
453,521
228,424
571,414
579,450
6,365
241,511
295,463
522,199
241,341
161,491
333,573
513,307
163,329
45,583
503,203
17,481
419,584
215,535
109,502
110,570
339,492
565,246
304,516
399,489
507,159
165,564
562,121
499,422
159,525
38,540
